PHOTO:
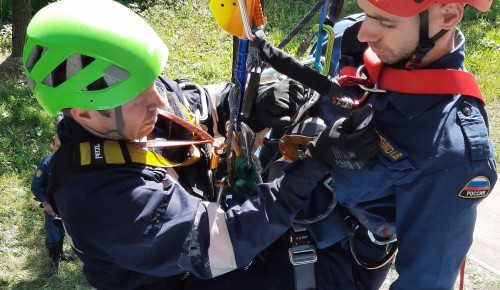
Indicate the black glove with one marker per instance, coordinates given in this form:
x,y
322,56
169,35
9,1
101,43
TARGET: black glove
x,y
350,143
276,105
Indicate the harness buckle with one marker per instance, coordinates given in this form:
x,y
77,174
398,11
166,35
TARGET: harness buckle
x,y
301,252
301,255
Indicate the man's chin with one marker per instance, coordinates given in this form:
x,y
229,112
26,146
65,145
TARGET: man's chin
x,y
387,60
385,57
147,131
144,132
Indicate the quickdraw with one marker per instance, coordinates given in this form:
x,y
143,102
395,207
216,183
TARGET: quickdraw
x,y
236,18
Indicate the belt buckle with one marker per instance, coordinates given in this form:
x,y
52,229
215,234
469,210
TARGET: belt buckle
x,y
301,255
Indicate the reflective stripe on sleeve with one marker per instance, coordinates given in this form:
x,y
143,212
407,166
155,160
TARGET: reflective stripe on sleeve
x,y
220,252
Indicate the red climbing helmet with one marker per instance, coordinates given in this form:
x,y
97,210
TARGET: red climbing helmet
x,y
407,8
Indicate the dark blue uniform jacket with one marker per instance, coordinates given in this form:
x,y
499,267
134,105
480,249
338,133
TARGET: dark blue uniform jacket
x,y
132,225
434,166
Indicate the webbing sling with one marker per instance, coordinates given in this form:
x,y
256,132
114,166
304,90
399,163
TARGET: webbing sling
x,y
204,137
419,81
430,81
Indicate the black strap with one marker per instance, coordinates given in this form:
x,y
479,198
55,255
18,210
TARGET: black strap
x,y
301,24
425,43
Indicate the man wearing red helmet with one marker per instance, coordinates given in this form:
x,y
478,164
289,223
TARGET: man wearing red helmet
x,y
435,163
435,19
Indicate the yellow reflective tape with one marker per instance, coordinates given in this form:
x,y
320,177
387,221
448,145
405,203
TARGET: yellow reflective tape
x,y
144,156
113,153
85,153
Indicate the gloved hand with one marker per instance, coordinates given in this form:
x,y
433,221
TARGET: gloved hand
x,y
259,39
276,105
350,143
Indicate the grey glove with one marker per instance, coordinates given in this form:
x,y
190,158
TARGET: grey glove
x,y
259,39
350,143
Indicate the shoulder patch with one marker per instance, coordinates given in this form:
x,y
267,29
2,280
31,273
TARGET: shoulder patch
x,y
478,187
38,173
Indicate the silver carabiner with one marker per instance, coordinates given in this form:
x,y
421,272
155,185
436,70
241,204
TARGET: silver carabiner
x,y
375,88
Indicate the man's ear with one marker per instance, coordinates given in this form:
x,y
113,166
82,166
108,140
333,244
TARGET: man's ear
x,y
82,116
452,15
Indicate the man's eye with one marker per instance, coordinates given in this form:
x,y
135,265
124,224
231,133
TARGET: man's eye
x,y
386,24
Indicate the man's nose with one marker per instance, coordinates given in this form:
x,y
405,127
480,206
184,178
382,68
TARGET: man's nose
x,y
368,31
156,99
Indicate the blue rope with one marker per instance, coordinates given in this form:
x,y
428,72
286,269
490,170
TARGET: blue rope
x,y
319,44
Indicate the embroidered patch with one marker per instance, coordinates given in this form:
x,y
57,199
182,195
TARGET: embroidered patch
x,y
39,173
390,150
478,187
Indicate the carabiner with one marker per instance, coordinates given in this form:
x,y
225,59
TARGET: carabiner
x,y
375,88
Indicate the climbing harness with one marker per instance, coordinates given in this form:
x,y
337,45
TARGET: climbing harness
x,y
372,76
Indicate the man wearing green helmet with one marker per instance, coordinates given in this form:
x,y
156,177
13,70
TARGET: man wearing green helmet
x,y
133,219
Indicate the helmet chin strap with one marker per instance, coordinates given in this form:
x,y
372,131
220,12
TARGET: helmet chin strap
x,y
111,135
425,43
119,125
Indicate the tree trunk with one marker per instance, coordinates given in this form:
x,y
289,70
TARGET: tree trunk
x,y
21,16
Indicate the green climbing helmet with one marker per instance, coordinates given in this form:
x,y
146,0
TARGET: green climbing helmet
x,y
90,54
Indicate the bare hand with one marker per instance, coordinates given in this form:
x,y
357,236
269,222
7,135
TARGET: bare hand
x,y
48,208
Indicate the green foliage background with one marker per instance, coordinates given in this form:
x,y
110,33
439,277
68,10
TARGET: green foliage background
x,y
199,50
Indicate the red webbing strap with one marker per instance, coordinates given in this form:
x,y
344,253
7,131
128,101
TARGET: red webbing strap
x,y
462,275
347,77
206,138
420,81
429,81
373,65
161,143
